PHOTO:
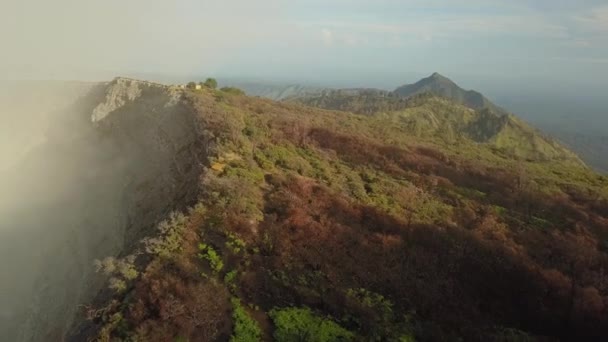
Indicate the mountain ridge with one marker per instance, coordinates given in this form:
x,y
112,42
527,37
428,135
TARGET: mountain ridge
x,y
445,87
276,212
436,106
351,222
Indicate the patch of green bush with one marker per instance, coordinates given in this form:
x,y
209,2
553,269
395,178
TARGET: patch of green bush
x,y
122,271
233,90
301,324
208,253
286,157
230,277
234,243
170,239
246,329
211,83
376,318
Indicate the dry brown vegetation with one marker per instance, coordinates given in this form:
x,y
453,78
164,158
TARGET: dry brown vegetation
x,y
391,237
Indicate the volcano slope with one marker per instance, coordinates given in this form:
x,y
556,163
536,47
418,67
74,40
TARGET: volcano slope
x,y
319,225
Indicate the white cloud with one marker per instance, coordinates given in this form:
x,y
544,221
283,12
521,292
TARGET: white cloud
x,y
439,27
351,40
448,25
333,37
579,43
595,20
327,37
558,22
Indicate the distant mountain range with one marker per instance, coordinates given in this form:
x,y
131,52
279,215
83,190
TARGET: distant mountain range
x,y
273,91
436,84
433,106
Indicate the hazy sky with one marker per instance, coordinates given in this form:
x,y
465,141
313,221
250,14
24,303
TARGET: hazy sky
x,y
313,40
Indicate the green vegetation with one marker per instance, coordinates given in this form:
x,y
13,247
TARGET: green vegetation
x,y
372,300
230,278
232,90
373,313
211,83
442,121
234,244
208,253
301,324
122,271
246,329
169,238
413,222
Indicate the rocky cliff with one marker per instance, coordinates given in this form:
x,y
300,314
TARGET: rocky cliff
x,y
115,163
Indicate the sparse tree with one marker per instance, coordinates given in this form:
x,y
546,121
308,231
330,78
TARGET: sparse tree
x,y
211,83
191,85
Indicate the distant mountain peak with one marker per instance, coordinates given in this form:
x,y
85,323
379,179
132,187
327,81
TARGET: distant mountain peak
x,y
437,75
445,87
437,78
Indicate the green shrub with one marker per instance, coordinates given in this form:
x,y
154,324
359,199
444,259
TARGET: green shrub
x,y
211,83
286,157
208,253
301,324
246,329
372,300
262,160
170,239
230,277
376,318
122,271
235,244
235,193
117,285
233,91
113,322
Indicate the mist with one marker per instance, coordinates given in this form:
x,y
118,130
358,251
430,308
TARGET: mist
x,y
49,208
79,189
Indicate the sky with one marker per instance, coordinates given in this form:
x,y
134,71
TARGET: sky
x,y
376,42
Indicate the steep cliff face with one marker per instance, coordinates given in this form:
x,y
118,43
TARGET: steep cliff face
x,y
115,163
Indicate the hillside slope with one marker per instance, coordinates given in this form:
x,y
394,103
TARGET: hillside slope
x,y
436,117
337,226
539,110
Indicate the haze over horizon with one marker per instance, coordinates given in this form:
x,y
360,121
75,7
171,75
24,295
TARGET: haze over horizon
x,y
382,43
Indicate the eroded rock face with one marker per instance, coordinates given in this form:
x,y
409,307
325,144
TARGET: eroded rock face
x,y
113,166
